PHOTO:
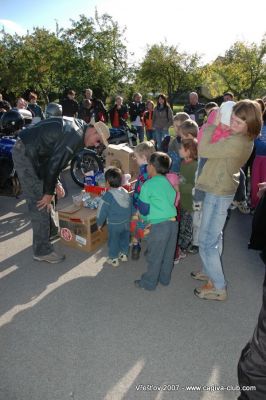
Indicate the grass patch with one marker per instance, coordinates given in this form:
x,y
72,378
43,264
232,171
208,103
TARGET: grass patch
x,y
177,108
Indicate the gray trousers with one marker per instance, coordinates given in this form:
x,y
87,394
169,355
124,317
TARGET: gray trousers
x,y
161,244
32,188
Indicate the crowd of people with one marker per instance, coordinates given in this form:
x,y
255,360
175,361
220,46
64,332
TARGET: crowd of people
x,y
204,166
202,134
186,187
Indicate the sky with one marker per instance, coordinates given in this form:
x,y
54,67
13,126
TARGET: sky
x,y
203,26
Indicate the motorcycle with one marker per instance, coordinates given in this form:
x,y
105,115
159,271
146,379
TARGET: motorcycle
x,y
10,124
93,159
9,182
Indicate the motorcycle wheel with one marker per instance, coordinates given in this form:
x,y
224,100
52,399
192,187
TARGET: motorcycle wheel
x,y
83,163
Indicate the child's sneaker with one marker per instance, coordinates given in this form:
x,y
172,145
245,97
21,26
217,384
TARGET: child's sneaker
x,y
241,205
113,261
197,205
123,257
193,249
182,255
232,206
135,252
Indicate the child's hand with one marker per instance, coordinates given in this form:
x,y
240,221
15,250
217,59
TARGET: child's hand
x,y
217,118
176,187
136,216
147,230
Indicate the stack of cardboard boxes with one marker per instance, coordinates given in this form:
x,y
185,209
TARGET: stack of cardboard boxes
x,y
78,228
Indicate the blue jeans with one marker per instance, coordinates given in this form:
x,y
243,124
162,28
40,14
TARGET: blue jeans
x,y
159,135
214,215
118,239
149,134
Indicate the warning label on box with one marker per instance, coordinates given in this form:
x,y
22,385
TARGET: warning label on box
x,y
66,234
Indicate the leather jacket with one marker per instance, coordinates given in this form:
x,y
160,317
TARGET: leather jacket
x,y
136,110
50,145
197,110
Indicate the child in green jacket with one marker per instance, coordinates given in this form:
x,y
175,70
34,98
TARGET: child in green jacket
x,y
157,207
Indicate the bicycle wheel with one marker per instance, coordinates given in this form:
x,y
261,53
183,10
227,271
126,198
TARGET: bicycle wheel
x,y
81,164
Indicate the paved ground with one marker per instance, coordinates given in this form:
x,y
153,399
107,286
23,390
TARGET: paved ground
x,y
81,331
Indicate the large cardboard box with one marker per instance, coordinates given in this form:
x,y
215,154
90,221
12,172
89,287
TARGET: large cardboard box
x,y
125,155
78,228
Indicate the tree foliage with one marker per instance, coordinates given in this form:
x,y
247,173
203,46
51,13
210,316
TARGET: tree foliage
x,y
242,70
93,53
102,53
165,69
89,54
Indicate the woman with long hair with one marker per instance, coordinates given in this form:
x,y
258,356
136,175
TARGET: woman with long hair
x,y
162,120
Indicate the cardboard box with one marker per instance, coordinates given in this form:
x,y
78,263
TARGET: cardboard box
x,y
78,228
125,155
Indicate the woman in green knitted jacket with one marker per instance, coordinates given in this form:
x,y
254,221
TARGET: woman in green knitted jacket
x,y
219,180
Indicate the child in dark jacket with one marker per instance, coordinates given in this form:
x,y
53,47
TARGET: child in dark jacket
x,y
142,152
188,153
115,208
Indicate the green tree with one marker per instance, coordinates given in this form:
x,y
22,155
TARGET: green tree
x,y
40,60
167,70
242,70
102,54
91,53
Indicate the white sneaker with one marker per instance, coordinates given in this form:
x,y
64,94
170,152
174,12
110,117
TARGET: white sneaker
x,y
197,205
233,206
113,261
182,255
123,257
243,207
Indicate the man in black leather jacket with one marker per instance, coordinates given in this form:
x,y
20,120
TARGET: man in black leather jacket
x,y
40,154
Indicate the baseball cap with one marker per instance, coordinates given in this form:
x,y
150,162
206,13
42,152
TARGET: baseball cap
x,y
103,131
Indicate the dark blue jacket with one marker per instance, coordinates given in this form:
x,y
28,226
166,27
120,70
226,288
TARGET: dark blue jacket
x,y
115,207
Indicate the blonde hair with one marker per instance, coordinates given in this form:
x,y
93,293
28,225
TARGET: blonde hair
x,y
149,102
181,116
145,149
189,127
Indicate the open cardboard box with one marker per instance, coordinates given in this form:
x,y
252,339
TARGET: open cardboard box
x,y
125,155
78,228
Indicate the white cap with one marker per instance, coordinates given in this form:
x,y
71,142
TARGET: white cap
x,y
226,111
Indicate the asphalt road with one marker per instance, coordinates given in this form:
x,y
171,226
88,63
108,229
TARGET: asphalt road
x,y
80,330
